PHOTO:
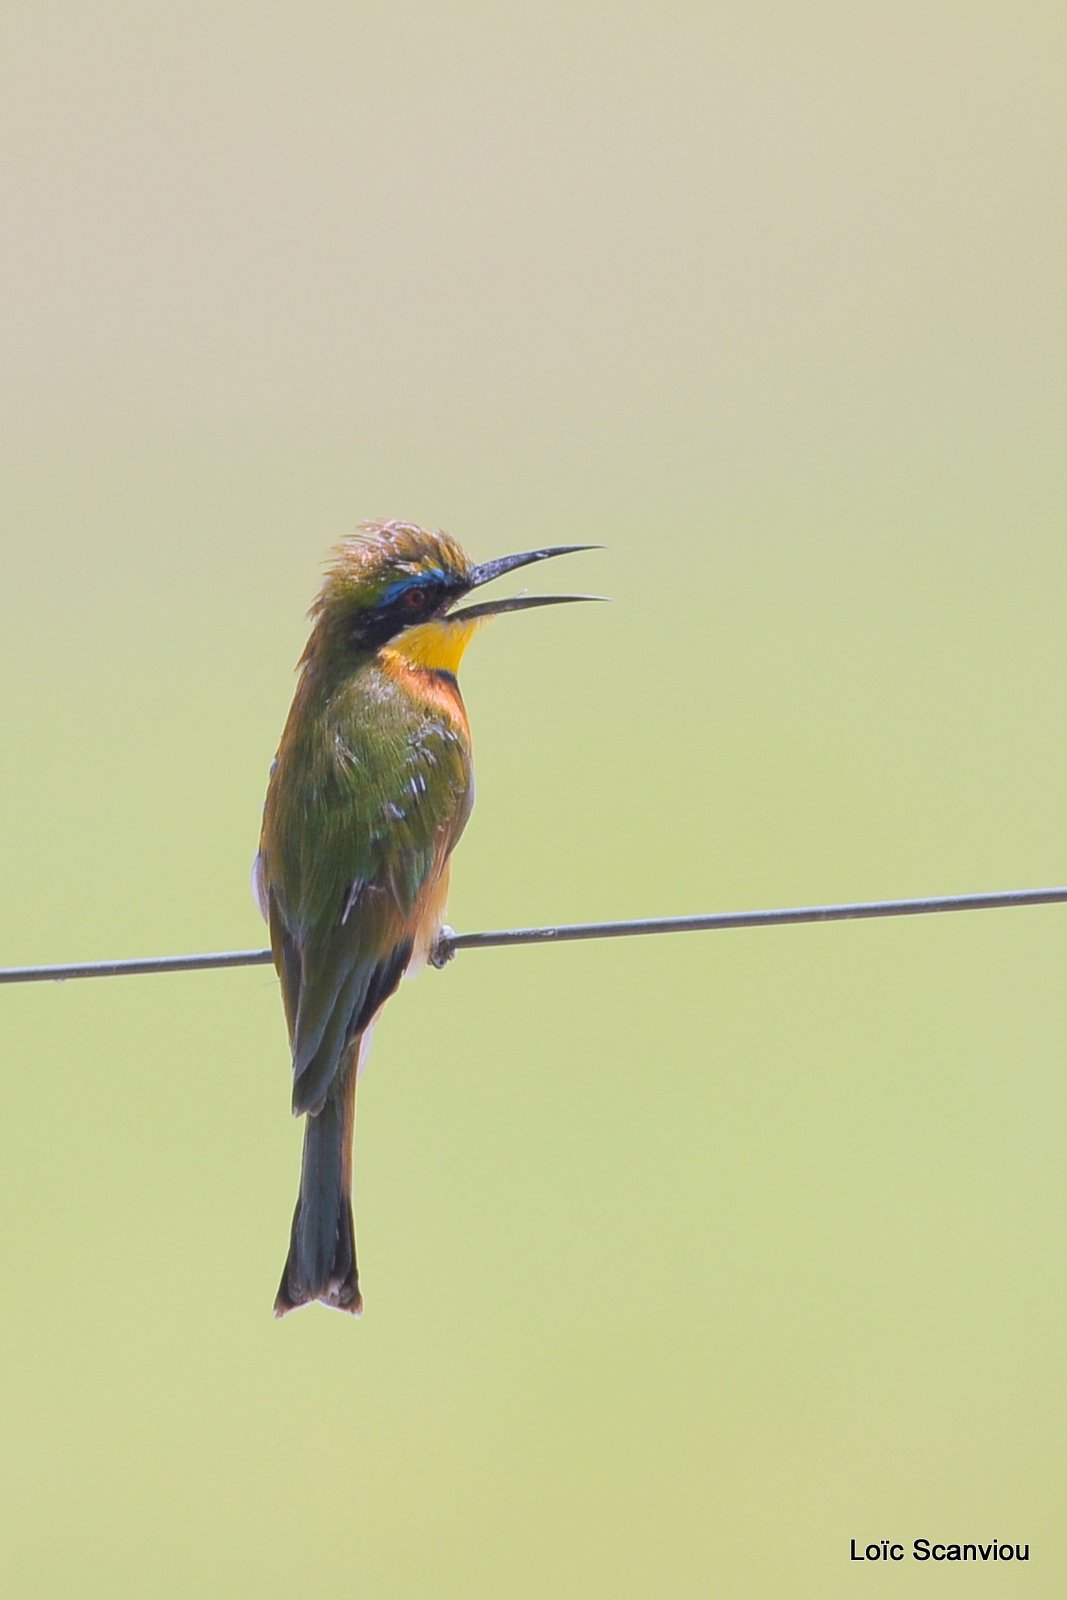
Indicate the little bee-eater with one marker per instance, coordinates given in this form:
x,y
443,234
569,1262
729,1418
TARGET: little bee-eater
x,y
370,791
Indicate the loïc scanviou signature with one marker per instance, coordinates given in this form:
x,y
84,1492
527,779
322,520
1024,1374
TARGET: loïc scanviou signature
x,y
931,1550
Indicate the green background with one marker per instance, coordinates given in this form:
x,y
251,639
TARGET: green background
x,y
686,1260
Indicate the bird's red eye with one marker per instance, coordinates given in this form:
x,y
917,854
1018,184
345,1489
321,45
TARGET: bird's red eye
x,y
413,600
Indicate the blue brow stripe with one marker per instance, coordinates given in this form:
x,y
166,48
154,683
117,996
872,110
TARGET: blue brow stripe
x,y
403,585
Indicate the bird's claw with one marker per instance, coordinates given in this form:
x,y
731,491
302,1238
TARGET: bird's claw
x,y
444,949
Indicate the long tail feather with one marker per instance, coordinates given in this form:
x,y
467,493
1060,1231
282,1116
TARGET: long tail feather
x,y
321,1264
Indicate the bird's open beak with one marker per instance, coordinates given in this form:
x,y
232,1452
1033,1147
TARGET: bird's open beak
x,y
520,602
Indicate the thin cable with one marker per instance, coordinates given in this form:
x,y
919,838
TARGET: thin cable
x,y
450,943
136,967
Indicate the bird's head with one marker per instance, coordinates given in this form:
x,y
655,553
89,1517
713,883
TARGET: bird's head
x,y
392,585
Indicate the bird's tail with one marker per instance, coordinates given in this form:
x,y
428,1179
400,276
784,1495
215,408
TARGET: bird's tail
x,y
321,1264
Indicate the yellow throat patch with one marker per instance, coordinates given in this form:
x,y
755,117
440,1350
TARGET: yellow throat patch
x,y
435,646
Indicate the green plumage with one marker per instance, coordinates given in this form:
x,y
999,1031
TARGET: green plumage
x,y
371,789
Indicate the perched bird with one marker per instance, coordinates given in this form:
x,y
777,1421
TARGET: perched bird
x,y
370,791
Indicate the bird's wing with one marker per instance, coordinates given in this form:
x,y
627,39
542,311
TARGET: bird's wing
x,y
346,886
345,975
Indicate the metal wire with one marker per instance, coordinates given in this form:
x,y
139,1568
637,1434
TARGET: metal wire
x,y
136,967
450,943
